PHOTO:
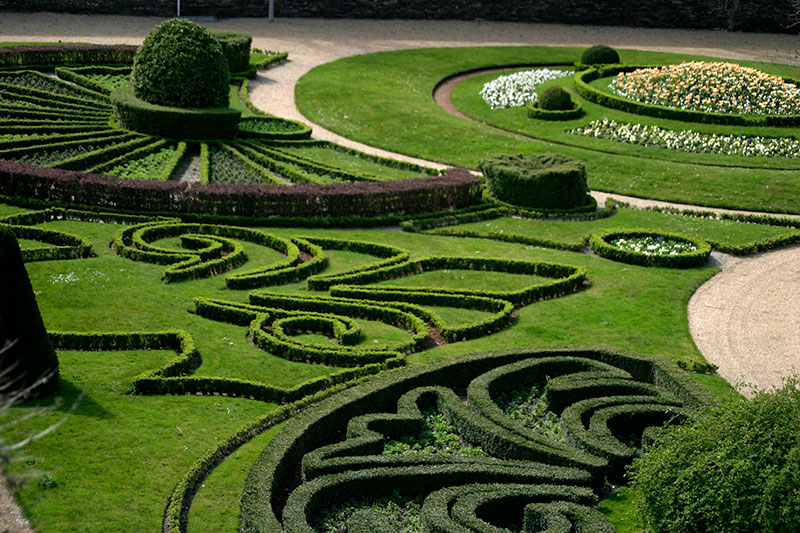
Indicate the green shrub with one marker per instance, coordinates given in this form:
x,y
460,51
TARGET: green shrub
x,y
599,54
731,468
555,99
550,181
135,114
30,362
180,64
235,47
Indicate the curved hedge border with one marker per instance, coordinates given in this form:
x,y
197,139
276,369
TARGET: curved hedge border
x,y
533,110
568,278
370,407
172,122
600,245
76,76
583,78
211,249
455,189
301,131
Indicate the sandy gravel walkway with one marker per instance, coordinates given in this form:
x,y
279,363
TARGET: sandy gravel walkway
x,y
746,319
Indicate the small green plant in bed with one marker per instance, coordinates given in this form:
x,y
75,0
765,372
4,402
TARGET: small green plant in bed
x,y
438,437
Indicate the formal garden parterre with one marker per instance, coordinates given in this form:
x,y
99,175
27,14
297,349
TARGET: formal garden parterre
x,y
259,353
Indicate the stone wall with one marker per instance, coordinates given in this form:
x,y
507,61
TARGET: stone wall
x,y
747,15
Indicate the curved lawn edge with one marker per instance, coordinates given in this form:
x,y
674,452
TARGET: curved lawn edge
x,y
393,110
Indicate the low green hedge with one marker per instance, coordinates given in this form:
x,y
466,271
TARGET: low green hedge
x,y
582,84
31,139
599,243
391,256
172,122
77,75
64,245
263,496
294,130
19,82
567,278
565,517
215,250
270,307
533,110
414,300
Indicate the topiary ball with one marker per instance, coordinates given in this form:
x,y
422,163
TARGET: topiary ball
x,y
555,99
181,64
544,181
599,54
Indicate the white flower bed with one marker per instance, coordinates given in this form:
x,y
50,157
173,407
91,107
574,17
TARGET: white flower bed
x,y
710,88
691,141
653,245
515,90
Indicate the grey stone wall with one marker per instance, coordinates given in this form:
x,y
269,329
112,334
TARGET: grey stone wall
x,y
746,15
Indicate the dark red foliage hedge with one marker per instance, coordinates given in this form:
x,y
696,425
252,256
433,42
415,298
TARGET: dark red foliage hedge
x,y
453,190
68,54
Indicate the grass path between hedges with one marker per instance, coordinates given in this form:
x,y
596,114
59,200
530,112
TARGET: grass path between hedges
x,y
384,100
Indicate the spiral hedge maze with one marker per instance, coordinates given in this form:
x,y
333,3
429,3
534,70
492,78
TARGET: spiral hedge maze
x,y
607,402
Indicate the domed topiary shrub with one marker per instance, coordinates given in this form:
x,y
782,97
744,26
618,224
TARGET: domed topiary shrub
x,y
545,181
599,54
181,64
555,99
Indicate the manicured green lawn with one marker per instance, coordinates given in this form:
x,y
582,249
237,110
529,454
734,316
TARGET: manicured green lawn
x,y
384,99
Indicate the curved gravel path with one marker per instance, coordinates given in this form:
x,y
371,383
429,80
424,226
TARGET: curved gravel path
x,y
746,319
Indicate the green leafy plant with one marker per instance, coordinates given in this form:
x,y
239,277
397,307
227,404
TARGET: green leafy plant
x,y
731,468
180,64
555,99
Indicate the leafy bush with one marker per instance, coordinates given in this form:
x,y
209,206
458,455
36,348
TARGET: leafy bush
x,y
599,54
180,64
731,468
550,181
555,99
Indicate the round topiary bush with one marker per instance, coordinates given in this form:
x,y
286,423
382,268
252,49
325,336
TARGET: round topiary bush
x,y
555,99
181,64
734,467
599,54
544,181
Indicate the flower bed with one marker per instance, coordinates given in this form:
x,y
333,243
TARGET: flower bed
x,y
649,248
711,88
691,141
516,90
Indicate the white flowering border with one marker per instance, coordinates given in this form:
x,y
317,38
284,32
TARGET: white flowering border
x,y
710,88
647,247
516,90
691,141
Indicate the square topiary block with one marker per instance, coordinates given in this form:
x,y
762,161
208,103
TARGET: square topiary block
x,y
546,181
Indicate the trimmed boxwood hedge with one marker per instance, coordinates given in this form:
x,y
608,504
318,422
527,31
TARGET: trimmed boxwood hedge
x,y
533,110
235,48
263,499
548,181
456,189
173,122
599,243
44,56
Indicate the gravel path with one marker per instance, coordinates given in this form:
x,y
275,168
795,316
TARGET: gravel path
x,y
746,319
